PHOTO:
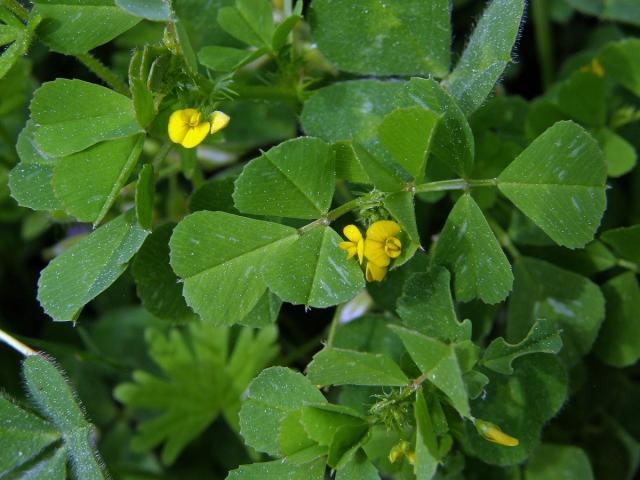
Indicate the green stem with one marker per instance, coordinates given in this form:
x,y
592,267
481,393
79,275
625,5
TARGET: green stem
x,y
544,47
16,344
334,325
628,265
16,8
503,238
161,155
335,213
455,184
104,73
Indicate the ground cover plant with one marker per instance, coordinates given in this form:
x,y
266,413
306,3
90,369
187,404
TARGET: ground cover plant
x,y
373,239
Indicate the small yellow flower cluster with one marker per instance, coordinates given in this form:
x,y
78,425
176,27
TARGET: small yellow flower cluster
x,y
380,246
187,128
494,434
402,449
594,66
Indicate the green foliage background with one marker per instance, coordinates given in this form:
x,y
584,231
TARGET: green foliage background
x,y
194,314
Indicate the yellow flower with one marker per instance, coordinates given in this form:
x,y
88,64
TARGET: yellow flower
x,y
219,120
355,245
381,244
187,128
595,67
493,433
375,273
398,451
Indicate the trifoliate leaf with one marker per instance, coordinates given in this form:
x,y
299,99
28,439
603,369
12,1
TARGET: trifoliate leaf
x,y
250,21
439,365
559,183
71,115
563,462
273,394
624,241
335,366
571,301
89,267
520,404
301,178
314,271
426,306
281,470
468,247
392,37
220,258
189,403
542,338
487,54
621,60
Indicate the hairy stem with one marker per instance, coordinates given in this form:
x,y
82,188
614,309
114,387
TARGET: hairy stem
x,y
104,73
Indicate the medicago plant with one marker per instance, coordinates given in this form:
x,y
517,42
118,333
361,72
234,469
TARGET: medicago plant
x,y
320,240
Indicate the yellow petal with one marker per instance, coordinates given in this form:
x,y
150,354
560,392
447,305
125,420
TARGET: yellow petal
x,y
374,251
360,250
196,135
375,273
493,433
383,229
219,120
352,233
178,125
350,247
393,247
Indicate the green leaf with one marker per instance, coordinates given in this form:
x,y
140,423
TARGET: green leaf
x,y
54,398
335,366
155,10
453,143
70,26
21,37
187,404
313,271
401,206
139,84
89,182
292,436
571,301
144,196
426,442
275,393
439,364
620,155
468,248
227,59
215,194
346,441
22,432
156,283
71,115
369,333
559,183
321,424
583,97
426,306
219,257
520,404
283,30
301,178
30,180
621,60
617,343
386,174
281,470
542,338
89,267
562,462
250,21
394,37
363,105
358,468
406,133
487,54
51,467
624,241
